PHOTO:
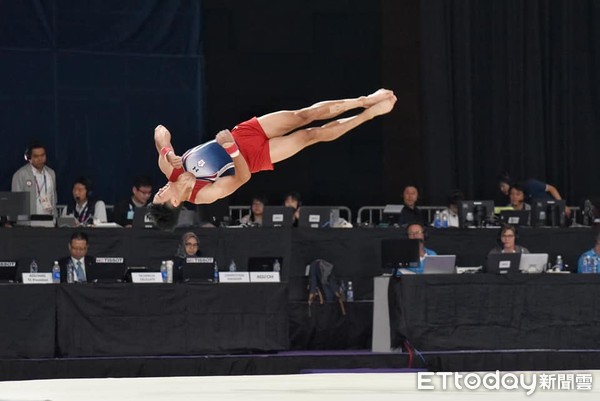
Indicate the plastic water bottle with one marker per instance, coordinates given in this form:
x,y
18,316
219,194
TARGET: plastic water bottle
x,y
444,220
276,266
594,264
56,273
33,267
70,272
350,292
163,271
559,266
216,273
232,266
437,220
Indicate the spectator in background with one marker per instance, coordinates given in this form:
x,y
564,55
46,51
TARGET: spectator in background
x,y
78,248
410,212
38,179
140,195
594,254
451,212
256,212
292,199
83,207
417,231
189,247
532,188
517,198
507,241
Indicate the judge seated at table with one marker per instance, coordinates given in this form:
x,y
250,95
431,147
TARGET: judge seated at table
x,y
507,241
189,247
417,231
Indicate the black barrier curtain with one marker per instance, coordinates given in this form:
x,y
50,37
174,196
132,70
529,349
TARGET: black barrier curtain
x,y
91,80
511,85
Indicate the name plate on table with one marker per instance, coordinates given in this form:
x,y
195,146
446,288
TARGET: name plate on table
x,y
234,277
37,278
264,277
146,277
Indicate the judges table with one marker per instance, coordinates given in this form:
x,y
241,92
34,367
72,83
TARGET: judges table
x,y
143,319
491,312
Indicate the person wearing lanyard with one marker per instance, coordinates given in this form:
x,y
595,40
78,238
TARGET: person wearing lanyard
x,y
84,208
38,179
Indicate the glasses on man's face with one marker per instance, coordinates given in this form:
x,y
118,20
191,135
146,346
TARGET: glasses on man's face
x,y
147,193
507,236
191,244
415,232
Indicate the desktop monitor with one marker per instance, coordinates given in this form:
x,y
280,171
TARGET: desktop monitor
x,y
548,212
475,213
399,253
278,216
13,205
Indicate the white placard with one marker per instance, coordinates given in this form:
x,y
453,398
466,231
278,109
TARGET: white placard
x,y
314,218
278,218
37,278
234,277
264,277
146,277
504,264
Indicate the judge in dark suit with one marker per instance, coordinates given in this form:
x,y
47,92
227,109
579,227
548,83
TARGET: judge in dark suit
x,y
78,248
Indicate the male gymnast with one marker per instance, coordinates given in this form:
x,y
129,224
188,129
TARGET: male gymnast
x,y
216,169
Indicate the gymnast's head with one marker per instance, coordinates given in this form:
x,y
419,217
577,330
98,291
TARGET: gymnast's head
x,y
167,202
165,215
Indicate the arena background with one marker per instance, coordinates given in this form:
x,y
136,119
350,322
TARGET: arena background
x,y
482,86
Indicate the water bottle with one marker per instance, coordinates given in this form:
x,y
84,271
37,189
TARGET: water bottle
x,y
437,221
276,266
232,266
169,271
444,220
70,272
33,267
56,273
163,271
593,264
216,273
350,292
559,266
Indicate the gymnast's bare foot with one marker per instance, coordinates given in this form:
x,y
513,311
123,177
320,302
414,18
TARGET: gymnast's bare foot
x,y
376,97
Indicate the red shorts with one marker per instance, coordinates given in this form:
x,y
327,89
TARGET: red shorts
x,y
254,145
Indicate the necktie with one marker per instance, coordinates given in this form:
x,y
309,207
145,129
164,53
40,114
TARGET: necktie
x,y
80,273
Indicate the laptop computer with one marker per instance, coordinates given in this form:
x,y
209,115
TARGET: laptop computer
x,y
198,270
515,217
278,216
503,263
264,264
533,262
8,271
106,270
314,217
399,253
439,264
142,219
67,221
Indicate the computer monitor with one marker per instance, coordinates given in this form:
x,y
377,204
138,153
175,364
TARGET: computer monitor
x,y
515,217
314,217
278,216
106,270
8,271
399,253
439,264
198,269
502,263
548,212
475,213
142,218
15,205
264,263
533,262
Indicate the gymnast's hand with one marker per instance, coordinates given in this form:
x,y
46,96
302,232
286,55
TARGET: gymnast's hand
x,y
224,138
174,160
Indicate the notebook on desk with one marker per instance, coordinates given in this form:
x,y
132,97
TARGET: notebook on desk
x,y
533,263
